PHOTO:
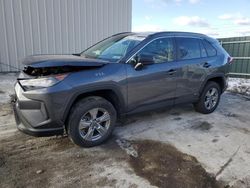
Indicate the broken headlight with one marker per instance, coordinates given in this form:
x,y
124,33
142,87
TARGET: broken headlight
x,y
38,83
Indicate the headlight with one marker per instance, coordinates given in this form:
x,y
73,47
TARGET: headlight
x,y
38,83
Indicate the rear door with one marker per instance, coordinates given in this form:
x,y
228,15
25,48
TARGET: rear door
x,y
192,61
154,83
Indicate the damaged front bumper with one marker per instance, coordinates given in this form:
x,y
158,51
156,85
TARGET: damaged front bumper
x,y
32,116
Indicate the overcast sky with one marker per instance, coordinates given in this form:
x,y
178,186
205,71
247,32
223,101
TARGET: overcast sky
x,y
217,18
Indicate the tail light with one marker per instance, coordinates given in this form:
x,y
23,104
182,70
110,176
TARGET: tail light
x,y
230,60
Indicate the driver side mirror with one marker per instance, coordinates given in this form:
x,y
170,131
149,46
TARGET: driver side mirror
x,y
142,60
145,59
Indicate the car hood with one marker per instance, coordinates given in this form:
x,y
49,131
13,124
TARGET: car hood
x,y
44,61
44,65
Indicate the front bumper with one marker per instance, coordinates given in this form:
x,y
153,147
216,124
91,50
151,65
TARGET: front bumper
x,y
32,117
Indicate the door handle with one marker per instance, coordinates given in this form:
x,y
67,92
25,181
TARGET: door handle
x,y
206,65
171,71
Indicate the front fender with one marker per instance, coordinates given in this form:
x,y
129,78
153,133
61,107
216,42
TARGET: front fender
x,y
94,89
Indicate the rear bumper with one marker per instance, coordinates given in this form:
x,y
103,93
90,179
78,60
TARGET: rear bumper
x,y
225,84
32,117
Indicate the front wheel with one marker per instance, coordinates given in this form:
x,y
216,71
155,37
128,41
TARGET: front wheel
x,y
91,121
209,99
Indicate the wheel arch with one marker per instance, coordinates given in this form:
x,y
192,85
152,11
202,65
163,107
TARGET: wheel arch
x,y
111,95
218,78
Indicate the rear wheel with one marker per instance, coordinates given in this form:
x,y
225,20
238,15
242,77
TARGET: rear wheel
x,y
91,121
209,99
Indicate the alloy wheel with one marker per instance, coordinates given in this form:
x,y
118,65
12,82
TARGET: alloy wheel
x,y
211,98
94,124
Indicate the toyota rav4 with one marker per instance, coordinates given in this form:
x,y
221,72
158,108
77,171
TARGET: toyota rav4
x,y
84,94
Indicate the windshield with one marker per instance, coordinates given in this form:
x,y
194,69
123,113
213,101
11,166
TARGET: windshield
x,y
113,48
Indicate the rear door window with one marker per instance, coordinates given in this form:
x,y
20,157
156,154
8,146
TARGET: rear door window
x,y
203,50
211,51
188,48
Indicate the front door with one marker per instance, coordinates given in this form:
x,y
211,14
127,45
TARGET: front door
x,y
154,83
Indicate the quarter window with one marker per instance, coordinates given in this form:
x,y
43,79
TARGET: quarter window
x,y
209,48
161,50
188,48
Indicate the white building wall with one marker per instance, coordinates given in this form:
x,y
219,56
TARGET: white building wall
x,y
30,27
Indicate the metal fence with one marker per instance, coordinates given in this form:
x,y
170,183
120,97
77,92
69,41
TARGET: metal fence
x,y
239,49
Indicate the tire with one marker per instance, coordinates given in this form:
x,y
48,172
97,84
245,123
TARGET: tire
x,y
202,105
86,125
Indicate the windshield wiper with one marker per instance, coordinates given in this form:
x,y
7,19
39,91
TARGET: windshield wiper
x,y
77,54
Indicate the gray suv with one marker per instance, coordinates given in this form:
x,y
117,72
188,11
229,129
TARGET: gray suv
x,y
84,94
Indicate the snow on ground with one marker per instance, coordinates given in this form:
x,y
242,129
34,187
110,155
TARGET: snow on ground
x,y
7,81
239,85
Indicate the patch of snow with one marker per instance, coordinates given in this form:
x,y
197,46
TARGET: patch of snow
x,y
127,146
7,81
239,85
